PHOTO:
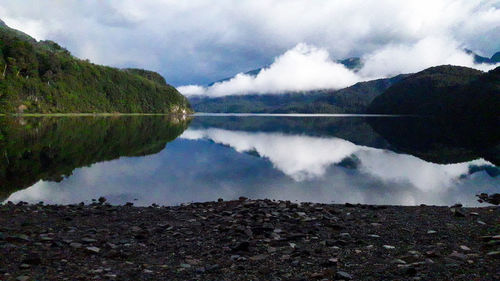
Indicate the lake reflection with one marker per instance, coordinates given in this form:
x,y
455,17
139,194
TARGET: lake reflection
x,y
318,159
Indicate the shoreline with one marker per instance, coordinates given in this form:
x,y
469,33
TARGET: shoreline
x,y
248,240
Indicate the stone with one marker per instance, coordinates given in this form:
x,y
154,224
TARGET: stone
x,y
258,257
493,254
87,240
458,256
33,259
75,245
24,266
457,211
464,248
398,261
343,275
243,246
101,199
23,278
193,261
185,265
94,250
332,261
345,235
135,229
389,247
431,231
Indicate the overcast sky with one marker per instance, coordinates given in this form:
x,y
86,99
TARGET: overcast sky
x,y
200,41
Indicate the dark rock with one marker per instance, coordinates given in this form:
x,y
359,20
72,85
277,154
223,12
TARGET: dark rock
x,y
343,275
32,259
241,247
493,254
457,212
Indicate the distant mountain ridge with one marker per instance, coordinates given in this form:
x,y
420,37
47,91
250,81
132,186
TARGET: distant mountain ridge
x,y
480,59
353,99
42,77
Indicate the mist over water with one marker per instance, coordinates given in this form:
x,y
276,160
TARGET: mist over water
x,y
316,159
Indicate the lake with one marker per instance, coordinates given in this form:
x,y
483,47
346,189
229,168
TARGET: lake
x,y
314,158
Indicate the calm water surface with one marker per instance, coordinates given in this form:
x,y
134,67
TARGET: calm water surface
x,y
168,161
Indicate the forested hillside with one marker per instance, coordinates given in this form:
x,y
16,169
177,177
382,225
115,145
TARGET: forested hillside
x,y
451,91
43,77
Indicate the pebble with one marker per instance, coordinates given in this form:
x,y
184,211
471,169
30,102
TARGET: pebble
x,y
88,240
258,257
250,239
398,261
464,248
343,275
457,255
93,250
75,245
494,254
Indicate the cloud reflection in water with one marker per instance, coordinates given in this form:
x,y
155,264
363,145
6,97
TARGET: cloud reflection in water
x,y
205,164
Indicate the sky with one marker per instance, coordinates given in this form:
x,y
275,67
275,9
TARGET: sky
x,y
192,43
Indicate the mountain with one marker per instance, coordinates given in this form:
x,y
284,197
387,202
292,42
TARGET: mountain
x,y
448,91
495,58
43,77
480,59
352,99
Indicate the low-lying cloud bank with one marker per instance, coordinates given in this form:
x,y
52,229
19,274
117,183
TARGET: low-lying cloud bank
x,y
307,67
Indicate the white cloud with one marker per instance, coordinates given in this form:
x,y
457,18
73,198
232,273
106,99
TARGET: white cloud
x,y
200,41
306,68
307,158
302,68
396,59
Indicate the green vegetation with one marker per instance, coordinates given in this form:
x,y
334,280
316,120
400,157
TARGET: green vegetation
x,y
43,77
50,148
446,91
354,99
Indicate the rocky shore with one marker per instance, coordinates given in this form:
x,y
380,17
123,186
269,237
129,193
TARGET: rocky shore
x,y
248,240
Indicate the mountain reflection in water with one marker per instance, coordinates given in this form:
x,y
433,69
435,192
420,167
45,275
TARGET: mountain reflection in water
x,y
319,159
